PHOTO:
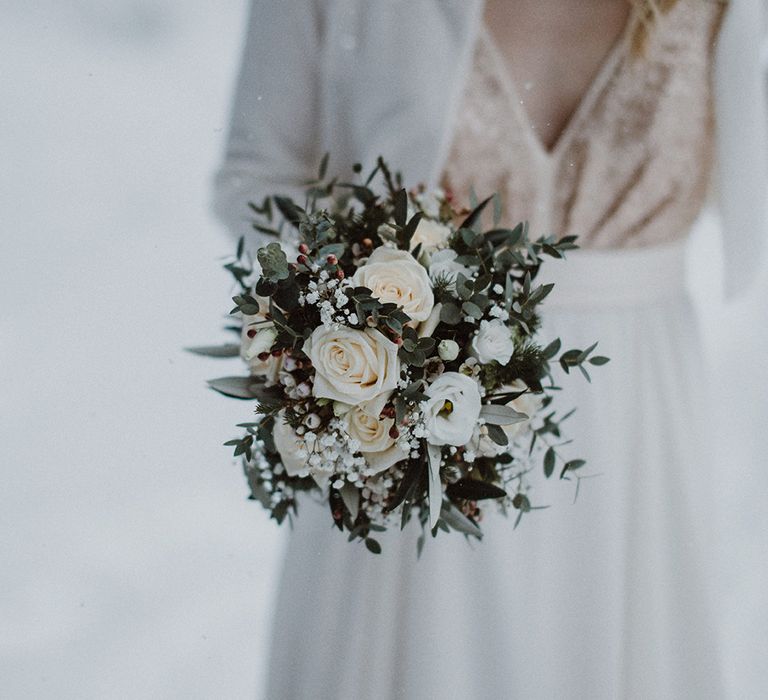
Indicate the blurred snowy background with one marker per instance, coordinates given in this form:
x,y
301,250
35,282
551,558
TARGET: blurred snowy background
x,y
132,564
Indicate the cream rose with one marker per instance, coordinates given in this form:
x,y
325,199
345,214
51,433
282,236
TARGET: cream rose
x,y
493,341
393,276
432,235
452,409
372,432
352,366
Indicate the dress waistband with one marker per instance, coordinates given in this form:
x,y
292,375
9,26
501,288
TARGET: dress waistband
x,y
619,277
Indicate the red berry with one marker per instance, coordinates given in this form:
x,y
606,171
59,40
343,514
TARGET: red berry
x,y
277,353
302,260
332,260
263,356
394,433
304,248
251,332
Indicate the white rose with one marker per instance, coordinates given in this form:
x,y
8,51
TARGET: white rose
x,y
372,432
452,409
294,452
352,366
443,264
395,277
431,234
257,337
493,341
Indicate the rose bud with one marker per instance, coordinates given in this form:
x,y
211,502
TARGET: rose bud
x,y
340,274
304,248
277,353
367,242
332,259
301,259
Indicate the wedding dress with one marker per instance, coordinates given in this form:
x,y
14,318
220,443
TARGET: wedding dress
x,y
604,597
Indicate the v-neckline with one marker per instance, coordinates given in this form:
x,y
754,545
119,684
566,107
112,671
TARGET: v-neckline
x,y
603,72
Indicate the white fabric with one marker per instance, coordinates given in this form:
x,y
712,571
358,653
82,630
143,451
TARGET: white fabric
x,y
616,278
337,76
603,599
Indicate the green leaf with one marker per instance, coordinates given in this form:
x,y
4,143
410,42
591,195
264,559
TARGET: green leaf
x,y
372,545
450,314
292,212
413,470
474,215
235,387
599,360
434,454
454,518
552,349
323,166
472,310
274,264
497,434
494,414
350,494
549,462
474,490
401,207
571,466
228,350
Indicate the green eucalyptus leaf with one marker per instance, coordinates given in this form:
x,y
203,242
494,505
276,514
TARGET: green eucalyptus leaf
x,y
274,263
228,350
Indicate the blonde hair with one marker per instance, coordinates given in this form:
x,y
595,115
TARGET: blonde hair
x,y
645,13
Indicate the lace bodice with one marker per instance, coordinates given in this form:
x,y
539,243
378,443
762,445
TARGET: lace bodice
x,y
631,167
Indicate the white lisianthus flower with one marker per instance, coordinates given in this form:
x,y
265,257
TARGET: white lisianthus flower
x,y
493,341
393,276
448,350
256,338
452,409
372,432
352,366
443,264
431,234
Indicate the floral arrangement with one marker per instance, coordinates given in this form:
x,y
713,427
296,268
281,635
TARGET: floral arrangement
x,y
393,358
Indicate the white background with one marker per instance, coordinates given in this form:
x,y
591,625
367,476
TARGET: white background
x,y
132,564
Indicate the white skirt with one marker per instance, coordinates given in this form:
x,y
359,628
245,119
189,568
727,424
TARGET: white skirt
x,y
605,597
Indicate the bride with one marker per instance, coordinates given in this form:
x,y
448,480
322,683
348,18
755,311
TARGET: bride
x,y
620,122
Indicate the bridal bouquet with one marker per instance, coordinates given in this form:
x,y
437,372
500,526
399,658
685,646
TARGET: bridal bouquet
x,y
393,360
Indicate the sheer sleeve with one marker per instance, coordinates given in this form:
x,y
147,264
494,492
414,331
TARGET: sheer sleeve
x,y
272,144
740,81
